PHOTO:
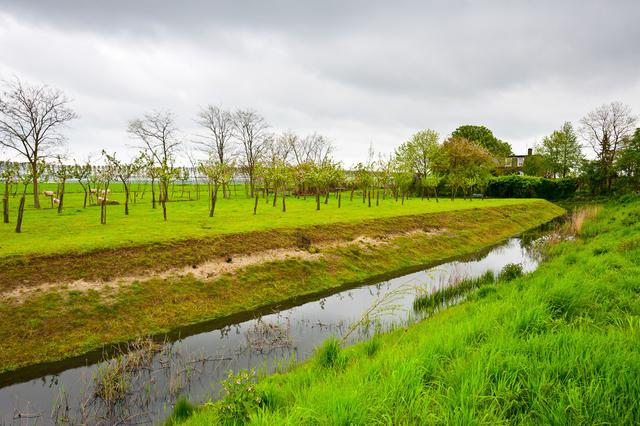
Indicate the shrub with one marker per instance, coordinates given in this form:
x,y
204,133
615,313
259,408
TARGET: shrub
x,y
510,271
515,186
240,396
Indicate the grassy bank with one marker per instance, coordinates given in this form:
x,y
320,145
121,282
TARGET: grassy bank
x,y
557,346
59,323
78,230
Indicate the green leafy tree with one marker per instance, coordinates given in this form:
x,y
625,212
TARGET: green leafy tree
x,y
485,138
418,153
536,165
562,152
467,164
629,160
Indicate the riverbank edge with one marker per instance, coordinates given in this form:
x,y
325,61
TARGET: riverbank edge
x,y
58,326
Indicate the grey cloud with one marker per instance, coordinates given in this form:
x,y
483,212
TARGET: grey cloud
x,y
359,71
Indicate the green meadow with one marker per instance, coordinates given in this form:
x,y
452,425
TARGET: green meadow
x,y
77,229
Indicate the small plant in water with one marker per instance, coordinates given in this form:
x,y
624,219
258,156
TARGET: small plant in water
x,y
181,411
329,353
510,271
240,395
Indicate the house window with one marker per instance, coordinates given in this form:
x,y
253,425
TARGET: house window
x,y
520,161
507,162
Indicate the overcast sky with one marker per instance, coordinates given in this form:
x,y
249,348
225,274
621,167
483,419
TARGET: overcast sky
x,y
359,72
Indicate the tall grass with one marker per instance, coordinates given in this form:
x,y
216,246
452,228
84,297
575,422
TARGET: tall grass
x,y
557,346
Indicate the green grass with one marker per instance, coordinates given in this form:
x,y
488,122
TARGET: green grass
x,y
560,345
59,323
79,230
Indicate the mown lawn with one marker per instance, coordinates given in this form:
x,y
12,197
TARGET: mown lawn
x,y
77,229
558,346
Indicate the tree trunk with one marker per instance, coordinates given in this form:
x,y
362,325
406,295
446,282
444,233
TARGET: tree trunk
x,y
352,191
369,196
5,203
36,196
61,197
153,193
377,198
5,209
275,197
126,199
317,200
339,198
20,213
284,202
255,206
326,198
214,198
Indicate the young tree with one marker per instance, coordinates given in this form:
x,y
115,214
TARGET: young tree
x,y
106,175
561,151
61,172
431,183
82,173
158,134
218,175
9,173
124,172
31,119
250,129
27,178
605,129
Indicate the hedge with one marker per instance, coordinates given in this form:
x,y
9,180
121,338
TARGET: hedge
x,y
516,186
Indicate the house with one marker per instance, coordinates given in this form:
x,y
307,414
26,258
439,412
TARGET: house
x,y
513,164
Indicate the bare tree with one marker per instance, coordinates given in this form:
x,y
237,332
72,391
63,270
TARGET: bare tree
x,y
219,127
159,137
605,129
250,129
312,148
31,118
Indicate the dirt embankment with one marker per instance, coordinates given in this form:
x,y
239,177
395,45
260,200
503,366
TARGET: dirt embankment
x,y
212,256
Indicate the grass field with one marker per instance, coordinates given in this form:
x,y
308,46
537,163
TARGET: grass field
x,y
79,230
558,346
60,322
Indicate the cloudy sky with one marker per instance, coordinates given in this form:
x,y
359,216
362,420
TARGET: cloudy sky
x,y
359,72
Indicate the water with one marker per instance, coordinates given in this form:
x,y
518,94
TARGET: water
x,y
194,365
